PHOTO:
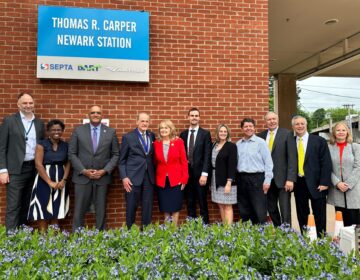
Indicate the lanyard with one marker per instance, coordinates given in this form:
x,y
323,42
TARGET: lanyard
x,y
28,131
145,144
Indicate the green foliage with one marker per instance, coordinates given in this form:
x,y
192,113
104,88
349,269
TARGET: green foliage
x,y
192,251
271,93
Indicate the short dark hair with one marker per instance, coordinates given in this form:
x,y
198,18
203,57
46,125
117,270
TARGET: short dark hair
x,y
51,123
193,109
21,94
250,120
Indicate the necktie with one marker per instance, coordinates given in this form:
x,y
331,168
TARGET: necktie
x,y
271,140
301,157
94,139
143,137
191,146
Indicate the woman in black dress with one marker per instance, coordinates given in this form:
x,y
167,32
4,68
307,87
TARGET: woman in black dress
x,y
49,198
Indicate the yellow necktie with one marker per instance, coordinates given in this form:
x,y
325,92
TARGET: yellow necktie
x,y
301,157
271,140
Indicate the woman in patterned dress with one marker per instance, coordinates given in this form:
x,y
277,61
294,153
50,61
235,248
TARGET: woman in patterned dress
x,y
49,198
224,160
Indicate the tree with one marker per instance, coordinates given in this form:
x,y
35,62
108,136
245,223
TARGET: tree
x,y
318,117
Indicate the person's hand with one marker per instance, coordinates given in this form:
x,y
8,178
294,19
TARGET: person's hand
x,y
289,186
61,184
53,185
98,174
4,178
183,186
266,187
343,187
322,188
202,180
127,184
227,188
89,173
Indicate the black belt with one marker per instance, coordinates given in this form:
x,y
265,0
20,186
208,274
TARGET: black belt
x,y
28,163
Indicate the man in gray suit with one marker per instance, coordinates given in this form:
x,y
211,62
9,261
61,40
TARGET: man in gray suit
x,y
137,170
283,152
19,134
93,152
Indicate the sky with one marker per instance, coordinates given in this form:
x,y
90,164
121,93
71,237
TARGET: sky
x,y
329,92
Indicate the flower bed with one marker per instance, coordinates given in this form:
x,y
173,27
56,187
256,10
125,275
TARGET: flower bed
x,y
192,251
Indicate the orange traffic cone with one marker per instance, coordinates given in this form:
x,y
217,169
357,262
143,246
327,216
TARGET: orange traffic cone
x,y
311,227
339,224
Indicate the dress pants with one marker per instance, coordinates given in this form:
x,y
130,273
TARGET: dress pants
x,y
279,197
302,196
18,193
84,196
251,197
193,192
145,193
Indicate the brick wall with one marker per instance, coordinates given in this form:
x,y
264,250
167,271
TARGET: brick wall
x,y
208,54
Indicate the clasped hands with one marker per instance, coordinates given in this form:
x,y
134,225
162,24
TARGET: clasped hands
x,y
94,174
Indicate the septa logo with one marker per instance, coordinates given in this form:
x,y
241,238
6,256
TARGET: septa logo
x,y
44,66
56,67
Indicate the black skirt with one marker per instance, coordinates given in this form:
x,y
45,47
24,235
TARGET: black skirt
x,y
170,198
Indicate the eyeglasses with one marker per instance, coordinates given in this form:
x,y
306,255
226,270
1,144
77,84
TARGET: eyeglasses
x,y
56,129
95,113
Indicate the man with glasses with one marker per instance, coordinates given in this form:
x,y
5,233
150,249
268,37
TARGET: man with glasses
x,y
19,134
93,152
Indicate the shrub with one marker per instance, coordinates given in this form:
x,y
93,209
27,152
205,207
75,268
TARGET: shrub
x,y
192,251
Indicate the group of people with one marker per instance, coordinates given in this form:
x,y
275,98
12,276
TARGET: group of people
x,y
258,173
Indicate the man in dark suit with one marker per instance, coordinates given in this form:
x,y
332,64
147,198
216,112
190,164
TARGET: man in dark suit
x,y
314,175
94,153
19,134
137,170
198,147
283,152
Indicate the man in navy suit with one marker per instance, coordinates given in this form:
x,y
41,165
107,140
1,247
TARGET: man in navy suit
x,y
19,134
198,150
314,175
137,170
283,152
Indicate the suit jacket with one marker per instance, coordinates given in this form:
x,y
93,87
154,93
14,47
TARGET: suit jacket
x,y
317,165
82,156
134,162
283,155
12,142
202,151
350,170
225,164
176,166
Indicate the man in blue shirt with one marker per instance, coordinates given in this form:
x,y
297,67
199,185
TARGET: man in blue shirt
x,y
255,173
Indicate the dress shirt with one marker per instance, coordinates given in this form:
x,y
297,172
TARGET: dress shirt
x,y
254,156
98,131
305,139
31,137
268,135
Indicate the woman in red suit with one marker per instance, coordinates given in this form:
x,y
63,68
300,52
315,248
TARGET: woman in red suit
x,y
171,170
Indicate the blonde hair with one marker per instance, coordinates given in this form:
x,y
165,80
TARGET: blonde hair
x,y
217,139
349,138
170,125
